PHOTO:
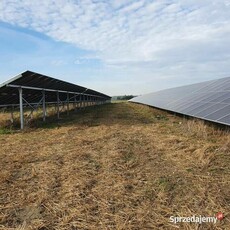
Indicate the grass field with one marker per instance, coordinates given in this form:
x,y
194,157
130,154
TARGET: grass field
x,y
117,166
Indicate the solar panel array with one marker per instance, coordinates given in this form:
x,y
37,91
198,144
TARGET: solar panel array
x,y
31,80
208,100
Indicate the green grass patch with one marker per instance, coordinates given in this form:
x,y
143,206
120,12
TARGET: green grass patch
x,y
5,131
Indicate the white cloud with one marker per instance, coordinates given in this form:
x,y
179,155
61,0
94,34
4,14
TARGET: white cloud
x,y
172,34
132,7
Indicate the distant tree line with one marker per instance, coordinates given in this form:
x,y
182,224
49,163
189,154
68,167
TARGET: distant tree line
x,y
125,97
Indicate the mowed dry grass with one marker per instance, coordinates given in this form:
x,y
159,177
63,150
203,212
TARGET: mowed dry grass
x,y
117,166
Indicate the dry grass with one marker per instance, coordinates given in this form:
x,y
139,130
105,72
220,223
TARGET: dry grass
x,y
118,166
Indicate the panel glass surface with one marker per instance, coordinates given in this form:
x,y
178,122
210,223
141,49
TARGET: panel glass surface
x,y
207,100
219,113
225,120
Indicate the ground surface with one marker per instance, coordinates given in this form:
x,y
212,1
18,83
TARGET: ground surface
x,y
119,166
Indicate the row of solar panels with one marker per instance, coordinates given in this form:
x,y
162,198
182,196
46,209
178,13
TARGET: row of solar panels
x,y
207,100
33,83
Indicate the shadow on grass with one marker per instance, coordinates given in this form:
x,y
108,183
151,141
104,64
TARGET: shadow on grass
x,y
124,113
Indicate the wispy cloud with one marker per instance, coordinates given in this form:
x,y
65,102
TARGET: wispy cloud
x,y
161,35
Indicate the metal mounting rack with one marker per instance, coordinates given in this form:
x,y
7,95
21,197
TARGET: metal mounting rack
x,y
33,90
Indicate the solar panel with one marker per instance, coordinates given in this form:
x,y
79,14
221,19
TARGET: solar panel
x,y
208,100
30,89
31,81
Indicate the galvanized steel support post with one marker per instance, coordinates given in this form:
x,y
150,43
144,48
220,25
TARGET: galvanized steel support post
x,y
21,108
44,105
67,103
83,96
80,99
75,102
58,112
12,115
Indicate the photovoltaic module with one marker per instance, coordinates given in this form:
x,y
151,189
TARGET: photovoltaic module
x,y
208,100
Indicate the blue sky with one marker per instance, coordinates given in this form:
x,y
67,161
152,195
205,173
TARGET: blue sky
x,y
117,47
